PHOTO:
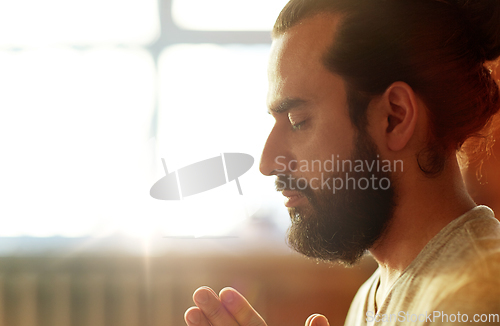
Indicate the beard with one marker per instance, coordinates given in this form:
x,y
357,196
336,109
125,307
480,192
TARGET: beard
x,y
341,226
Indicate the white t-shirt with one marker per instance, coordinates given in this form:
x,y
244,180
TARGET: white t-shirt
x,y
454,280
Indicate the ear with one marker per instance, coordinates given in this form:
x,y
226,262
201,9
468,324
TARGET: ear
x,y
402,112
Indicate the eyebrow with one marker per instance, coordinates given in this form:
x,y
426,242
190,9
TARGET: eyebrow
x,y
286,105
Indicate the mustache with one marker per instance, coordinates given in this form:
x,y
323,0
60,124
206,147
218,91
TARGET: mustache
x,y
288,182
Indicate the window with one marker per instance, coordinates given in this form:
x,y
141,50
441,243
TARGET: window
x,y
226,15
95,93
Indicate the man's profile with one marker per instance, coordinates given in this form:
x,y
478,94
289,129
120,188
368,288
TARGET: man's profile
x,y
370,81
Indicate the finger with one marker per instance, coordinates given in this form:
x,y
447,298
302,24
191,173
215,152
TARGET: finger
x,y
194,317
239,307
308,320
319,320
210,289
206,299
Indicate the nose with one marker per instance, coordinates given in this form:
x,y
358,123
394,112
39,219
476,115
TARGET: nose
x,y
276,156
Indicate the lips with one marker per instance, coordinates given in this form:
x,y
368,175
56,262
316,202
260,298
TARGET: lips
x,y
293,198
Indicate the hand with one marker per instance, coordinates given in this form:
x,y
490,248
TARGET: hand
x,y
230,308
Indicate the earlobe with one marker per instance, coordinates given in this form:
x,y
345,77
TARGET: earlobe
x,y
402,113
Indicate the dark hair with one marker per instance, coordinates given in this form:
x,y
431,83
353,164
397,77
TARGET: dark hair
x,y
437,47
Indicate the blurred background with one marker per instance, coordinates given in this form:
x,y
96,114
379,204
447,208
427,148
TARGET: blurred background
x,y
93,95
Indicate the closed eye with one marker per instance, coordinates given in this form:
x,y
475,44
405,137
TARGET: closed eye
x,y
298,126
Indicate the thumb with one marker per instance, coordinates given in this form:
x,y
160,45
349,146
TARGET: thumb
x,y
317,320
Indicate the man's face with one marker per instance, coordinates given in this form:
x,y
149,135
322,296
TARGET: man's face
x,y
312,134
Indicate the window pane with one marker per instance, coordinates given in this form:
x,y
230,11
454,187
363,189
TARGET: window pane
x,y
225,15
79,22
74,130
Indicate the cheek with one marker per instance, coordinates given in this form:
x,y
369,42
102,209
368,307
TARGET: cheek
x,y
335,139
321,157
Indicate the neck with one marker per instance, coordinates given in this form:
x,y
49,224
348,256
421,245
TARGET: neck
x,y
424,206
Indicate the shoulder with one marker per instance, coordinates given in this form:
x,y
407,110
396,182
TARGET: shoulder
x,y
476,300
469,278
476,283
472,238
459,271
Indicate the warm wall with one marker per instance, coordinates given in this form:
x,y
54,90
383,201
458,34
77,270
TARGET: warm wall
x,y
133,291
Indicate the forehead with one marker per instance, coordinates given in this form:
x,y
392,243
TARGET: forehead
x,y
295,65
312,35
